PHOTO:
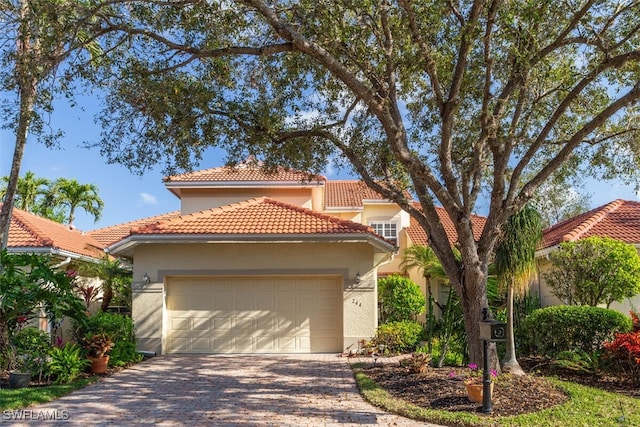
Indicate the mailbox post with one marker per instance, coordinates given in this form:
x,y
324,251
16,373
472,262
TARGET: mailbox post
x,y
490,331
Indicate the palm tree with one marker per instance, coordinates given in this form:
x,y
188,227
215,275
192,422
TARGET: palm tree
x,y
75,195
514,264
109,270
423,258
28,188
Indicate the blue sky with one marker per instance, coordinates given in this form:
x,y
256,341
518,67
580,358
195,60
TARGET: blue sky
x,y
128,196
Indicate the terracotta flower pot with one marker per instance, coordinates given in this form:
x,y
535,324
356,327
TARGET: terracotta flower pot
x,y
99,364
474,392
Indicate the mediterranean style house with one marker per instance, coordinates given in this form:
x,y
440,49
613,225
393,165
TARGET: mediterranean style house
x,y
263,263
619,219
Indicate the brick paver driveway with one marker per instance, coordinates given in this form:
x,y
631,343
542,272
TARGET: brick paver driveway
x,y
237,390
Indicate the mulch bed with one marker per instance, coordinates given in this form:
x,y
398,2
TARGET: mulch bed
x,y
512,395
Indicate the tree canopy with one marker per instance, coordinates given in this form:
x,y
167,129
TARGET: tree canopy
x,y
458,101
44,46
56,200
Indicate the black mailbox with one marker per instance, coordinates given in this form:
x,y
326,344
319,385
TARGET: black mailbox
x,y
492,330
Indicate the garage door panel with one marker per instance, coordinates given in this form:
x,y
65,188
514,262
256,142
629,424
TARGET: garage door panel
x,y
245,323
243,344
200,345
266,344
222,323
287,343
254,314
223,344
267,322
201,324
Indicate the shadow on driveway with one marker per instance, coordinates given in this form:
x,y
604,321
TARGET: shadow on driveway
x,y
237,390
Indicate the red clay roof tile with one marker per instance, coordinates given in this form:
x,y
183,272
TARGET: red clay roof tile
x,y
419,236
109,235
27,230
348,194
255,216
250,173
619,220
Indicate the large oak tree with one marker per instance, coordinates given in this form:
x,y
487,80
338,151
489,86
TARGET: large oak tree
x,y
457,101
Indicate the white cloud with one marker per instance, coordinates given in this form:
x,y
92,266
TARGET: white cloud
x,y
148,199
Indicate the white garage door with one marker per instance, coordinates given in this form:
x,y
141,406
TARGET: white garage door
x,y
253,315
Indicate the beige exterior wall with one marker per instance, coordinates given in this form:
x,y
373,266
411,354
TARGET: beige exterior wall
x,y
161,261
385,212
195,200
355,216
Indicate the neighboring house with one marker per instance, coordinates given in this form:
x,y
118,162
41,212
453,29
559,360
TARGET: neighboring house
x,y
258,262
618,220
67,246
29,233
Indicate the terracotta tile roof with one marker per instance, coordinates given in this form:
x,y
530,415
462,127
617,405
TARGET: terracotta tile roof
x,y
243,172
109,235
419,236
259,216
27,231
619,220
349,194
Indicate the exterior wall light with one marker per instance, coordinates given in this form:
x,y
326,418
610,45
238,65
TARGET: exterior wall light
x,y
357,278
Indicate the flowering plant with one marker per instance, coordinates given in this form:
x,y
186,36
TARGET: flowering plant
x,y
473,375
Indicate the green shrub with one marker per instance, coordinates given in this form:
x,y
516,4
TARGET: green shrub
x,y
66,363
32,346
398,337
400,299
454,353
552,330
120,330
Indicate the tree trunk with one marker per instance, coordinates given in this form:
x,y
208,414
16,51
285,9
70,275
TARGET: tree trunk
x,y
474,299
5,349
107,296
510,362
27,93
27,96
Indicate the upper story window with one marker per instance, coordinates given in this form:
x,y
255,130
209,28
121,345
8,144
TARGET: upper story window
x,y
387,229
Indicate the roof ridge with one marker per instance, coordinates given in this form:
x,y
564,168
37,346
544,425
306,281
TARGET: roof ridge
x,y
194,215
591,220
320,215
122,224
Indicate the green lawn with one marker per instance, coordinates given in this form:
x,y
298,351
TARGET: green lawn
x,y
24,397
587,407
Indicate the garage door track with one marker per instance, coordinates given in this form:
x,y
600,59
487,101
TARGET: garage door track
x,y
234,390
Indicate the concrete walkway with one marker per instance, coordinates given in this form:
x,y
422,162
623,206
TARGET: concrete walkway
x,y
235,390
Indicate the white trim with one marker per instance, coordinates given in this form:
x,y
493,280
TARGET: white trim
x,y
50,251
132,241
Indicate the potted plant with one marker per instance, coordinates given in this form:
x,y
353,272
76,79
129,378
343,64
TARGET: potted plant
x,y
28,350
472,379
97,347
20,371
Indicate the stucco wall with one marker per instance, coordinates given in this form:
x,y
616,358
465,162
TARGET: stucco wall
x,y
344,259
